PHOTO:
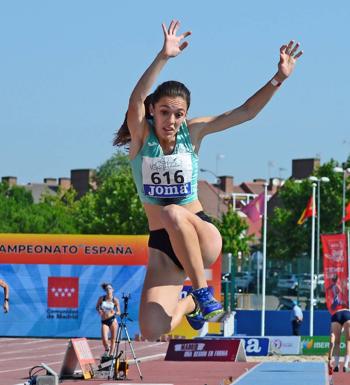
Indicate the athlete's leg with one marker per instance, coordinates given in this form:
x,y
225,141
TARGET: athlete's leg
x,y
334,342
104,333
113,329
160,309
347,342
196,243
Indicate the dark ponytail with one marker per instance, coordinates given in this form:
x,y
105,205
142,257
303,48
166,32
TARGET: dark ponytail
x,y
122,136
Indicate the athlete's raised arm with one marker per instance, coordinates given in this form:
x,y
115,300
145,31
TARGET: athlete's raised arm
x,y
173,46
248,110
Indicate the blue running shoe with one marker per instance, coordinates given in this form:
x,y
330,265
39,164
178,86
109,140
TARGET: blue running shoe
x,y
209,306
196,319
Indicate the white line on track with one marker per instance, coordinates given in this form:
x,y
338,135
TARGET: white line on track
x,y
31,349
61,353
28,367
26,357
146,358
7,353
44,355
326,376
141,359
28,342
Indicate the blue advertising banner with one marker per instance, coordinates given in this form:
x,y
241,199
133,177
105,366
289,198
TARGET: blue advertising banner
x,y
256,346
55,282
60,300
253,346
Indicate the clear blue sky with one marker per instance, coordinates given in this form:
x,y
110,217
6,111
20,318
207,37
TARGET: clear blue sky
x,y
67,69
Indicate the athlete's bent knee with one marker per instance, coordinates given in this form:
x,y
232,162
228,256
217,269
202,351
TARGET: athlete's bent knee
x,y
172,215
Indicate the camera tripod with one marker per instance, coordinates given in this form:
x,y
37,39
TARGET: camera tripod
x,y
116,354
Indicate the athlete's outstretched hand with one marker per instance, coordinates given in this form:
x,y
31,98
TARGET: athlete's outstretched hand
x,y
288,57
173,44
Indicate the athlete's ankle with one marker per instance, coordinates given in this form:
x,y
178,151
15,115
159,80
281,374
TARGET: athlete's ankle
x,y
194,308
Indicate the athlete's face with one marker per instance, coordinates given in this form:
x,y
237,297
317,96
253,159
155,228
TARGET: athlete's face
x,y
109,290
168,114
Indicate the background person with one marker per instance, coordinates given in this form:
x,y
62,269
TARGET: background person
x,y
340,321
6,288
108,307
296,318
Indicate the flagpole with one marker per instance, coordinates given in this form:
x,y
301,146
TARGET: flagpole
x,y
263,291
349,269
312,260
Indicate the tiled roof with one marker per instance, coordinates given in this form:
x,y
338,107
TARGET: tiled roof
x,y
37,189
253,187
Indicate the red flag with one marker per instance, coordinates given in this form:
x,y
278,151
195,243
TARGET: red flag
x,y
335,267
347,214
255,208
307,212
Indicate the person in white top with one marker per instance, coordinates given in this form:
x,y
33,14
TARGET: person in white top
x,y
108,308
296,318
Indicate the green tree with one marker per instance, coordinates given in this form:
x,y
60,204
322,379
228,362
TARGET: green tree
x,y
56,214
14,204
114,208
118,162
285,238
233,231
19,213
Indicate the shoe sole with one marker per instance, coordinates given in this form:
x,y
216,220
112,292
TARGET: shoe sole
x,y
214,315
195,327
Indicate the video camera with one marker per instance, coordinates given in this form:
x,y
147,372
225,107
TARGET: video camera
x,y
126,298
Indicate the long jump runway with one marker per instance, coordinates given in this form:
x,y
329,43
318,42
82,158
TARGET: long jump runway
x,y
17,356
286,373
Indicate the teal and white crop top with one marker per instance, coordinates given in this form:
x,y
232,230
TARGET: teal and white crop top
x,y
164,179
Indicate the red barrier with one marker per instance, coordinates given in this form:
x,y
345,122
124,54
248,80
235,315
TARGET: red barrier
x,y
206,350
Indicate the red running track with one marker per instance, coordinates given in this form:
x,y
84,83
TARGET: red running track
x,y
18,355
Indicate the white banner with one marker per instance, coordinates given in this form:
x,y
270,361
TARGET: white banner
x,y
284,345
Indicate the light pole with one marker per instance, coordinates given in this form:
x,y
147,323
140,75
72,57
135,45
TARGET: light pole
x,y
263,290
312,260
344,171
217,193
323,179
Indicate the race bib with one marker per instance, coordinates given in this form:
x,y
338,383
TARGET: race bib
x,y
167,176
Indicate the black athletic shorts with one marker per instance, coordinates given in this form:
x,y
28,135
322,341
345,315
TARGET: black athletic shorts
x,y
341,316
159,239
108,321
